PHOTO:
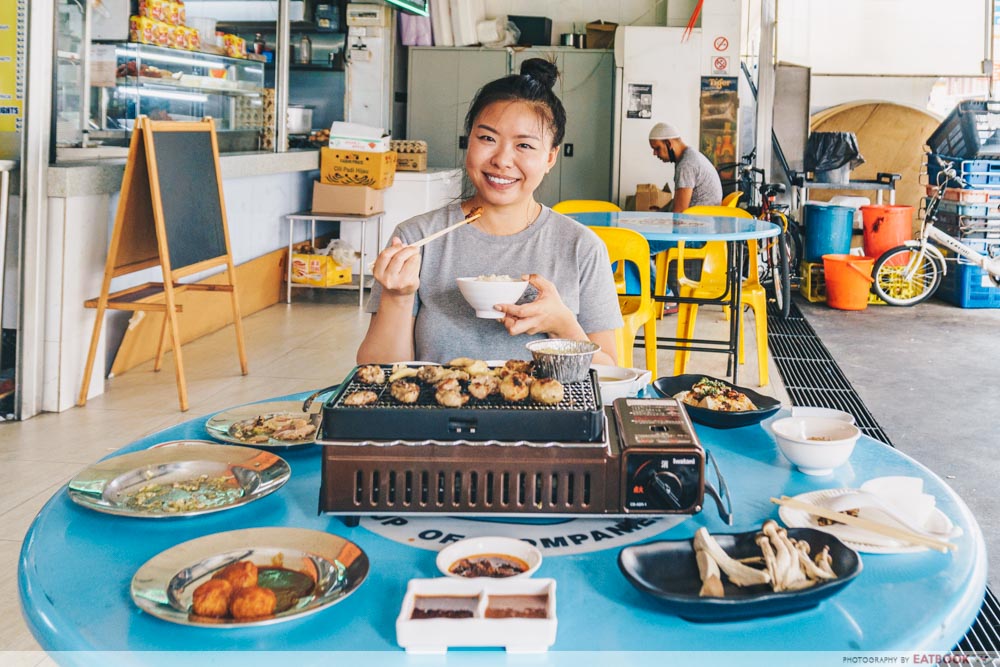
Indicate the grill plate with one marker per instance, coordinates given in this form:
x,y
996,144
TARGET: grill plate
x,y
578,418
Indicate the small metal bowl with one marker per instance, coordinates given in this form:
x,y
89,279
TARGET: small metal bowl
x,y
564,360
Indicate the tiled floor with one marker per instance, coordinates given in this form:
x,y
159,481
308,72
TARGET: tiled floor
x,y
291,348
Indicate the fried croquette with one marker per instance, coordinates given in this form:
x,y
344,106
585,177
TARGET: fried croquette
x,y
370,374
547,390
405,391
514,387
361,398
482,386
211,599
240,574
252,602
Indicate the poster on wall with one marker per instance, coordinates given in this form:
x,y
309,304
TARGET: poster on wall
x,y
640,100
13,50
719,108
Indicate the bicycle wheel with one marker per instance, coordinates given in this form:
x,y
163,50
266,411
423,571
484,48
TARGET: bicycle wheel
x,y
793,238
892,268
780,285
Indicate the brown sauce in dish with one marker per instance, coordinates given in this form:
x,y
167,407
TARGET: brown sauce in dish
x,y
496,566
444,606
517,606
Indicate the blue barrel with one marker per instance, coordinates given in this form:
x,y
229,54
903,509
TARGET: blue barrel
x,y
828,231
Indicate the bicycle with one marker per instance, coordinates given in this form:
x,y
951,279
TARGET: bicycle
x,y
910,273
779,256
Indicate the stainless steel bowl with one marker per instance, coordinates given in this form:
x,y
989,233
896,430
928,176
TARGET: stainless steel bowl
x,y
564,360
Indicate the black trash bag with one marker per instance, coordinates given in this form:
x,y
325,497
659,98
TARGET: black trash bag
x,y
832,150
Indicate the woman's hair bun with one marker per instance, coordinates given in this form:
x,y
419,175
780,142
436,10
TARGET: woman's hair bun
x,y
540,70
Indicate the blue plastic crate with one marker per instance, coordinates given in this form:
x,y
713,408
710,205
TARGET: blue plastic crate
x,y
968,286
976,173
971,210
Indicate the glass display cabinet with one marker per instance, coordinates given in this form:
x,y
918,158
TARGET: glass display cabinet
x,y
174,84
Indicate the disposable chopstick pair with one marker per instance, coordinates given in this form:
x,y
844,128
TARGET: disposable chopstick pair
x,y
474,215
894,532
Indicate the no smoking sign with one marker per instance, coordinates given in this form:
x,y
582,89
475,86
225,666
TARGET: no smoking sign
x,y
721,44
720,65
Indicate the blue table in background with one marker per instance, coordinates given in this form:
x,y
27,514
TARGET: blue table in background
x,y
659,228
76,566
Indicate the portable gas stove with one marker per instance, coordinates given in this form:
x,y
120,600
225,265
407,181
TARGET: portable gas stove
x,y
640,456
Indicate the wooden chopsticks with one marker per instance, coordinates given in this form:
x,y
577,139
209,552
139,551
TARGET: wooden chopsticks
x,y
474,215
867,524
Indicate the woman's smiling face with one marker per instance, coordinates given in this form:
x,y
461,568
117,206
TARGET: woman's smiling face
x,y
510,151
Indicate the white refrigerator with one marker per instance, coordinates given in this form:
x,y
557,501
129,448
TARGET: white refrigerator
x,y
658,78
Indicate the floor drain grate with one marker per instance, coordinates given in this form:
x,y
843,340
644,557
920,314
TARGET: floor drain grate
x,y
812,377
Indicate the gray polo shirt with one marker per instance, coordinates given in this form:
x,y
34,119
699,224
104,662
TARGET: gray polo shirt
x,y
557,248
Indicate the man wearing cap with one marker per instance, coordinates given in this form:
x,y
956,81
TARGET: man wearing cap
x,y
696,182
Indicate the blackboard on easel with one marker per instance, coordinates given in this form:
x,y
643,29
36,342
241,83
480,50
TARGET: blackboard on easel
x,y
171,214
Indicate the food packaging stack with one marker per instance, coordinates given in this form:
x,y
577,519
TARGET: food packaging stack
x,y
411,154
267,121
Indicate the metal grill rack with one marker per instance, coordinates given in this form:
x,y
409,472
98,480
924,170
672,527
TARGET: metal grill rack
x,y
812,377
578,417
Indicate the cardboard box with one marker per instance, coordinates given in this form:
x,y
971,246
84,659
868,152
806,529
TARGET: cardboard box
x,y
355,199
649,197
358,137
411,161
318,270
376,170
601,35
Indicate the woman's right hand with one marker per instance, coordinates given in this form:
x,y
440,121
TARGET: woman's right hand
x,y
397,268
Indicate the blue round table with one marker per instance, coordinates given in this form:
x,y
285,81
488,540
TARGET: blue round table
x,y
76,566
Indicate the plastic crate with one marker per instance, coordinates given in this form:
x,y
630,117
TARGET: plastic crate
x,y
968,286
963,196
971,130
977,174
813,285
980,210
965,228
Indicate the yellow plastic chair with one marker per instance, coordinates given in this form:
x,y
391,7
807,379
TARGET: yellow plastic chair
x,y
624,245
594,206
713,284
585,206
732,200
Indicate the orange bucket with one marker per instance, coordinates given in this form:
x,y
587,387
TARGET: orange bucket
x,y
848,281
885,228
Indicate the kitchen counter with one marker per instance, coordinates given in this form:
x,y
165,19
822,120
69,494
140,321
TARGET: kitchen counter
x,y
96,177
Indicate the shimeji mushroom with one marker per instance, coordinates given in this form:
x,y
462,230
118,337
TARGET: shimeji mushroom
x,y
738,573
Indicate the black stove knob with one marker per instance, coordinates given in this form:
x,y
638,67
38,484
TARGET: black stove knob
x,y
665,487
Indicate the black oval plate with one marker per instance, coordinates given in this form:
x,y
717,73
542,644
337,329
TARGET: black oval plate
x,y
667,570
766,405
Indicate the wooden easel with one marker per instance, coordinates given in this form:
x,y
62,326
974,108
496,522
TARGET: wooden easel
x,y
171,214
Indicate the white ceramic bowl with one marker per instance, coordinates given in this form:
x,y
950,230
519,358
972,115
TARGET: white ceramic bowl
x,y
484,294
829,413
816,445
489,546
618,382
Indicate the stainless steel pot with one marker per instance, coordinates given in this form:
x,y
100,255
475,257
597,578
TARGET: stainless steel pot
x,y
300,118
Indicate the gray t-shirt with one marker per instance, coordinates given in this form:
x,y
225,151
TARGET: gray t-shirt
x,y
555,247
694,170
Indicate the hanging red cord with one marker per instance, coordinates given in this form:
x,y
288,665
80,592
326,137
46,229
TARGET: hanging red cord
x,y
692,21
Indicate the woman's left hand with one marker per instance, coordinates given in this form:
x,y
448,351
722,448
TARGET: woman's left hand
x,y
546,314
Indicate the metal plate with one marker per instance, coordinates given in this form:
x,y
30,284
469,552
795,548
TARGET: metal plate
x,y
165,584
219,425
184,479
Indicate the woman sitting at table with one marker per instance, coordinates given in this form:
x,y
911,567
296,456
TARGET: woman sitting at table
x,y
515,125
